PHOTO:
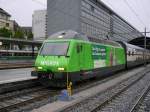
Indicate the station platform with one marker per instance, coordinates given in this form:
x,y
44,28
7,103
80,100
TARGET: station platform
x,y
12,64
14,75
59,106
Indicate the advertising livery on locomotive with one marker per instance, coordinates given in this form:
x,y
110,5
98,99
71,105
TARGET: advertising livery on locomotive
x,y
68,53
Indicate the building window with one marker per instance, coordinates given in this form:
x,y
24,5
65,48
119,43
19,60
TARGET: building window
x,y
86,5
92,8
7,24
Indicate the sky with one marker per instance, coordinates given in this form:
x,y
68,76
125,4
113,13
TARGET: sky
x,y
136,12
22,10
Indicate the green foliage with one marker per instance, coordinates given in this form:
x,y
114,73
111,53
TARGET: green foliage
x,y
30,36
19,34
5,32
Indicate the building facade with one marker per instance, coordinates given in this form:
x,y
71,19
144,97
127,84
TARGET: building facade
x,y
39,29
91,17
5,21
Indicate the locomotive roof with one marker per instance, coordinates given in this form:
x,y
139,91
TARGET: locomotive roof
x,y
105,42
68,34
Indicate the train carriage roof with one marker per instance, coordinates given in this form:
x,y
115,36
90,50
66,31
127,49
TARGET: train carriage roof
x,y
133,46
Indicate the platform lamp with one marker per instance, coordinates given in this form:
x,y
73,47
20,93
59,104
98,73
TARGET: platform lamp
x,y
145,47
1,43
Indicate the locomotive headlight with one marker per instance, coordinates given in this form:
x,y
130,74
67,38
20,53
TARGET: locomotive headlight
x,y
60,36
40,68
61,69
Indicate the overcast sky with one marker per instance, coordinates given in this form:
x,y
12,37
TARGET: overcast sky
x,y
22,10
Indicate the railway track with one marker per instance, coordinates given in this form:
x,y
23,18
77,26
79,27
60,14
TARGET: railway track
x,y
118,102
20,99
142,104
25,99
35,96
19,85
123,97
25,95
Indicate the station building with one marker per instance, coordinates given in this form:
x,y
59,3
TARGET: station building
x,y
6,22
91,17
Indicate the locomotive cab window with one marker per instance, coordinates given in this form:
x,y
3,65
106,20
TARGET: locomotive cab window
x,y
54,49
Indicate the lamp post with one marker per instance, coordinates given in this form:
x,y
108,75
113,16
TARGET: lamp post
x,y
145,47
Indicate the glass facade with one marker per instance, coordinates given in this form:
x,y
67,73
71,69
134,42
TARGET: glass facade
x,y
99,22
122,30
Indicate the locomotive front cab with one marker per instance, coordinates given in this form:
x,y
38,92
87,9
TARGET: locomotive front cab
x,y
60,55
52,59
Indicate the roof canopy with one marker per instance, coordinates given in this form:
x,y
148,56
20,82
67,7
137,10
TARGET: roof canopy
x,y
4,12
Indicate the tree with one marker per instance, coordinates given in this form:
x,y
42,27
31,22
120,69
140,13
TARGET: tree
x,y
5,32
30,36
19,34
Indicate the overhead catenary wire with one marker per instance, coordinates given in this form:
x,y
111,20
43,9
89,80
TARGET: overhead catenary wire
x,y
146,13
134,12
71,15
138,4
123,33
39,2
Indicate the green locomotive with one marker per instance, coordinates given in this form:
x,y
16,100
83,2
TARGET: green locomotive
x,y
70,53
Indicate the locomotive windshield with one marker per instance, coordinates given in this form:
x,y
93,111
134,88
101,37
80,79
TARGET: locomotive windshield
x,y
54,49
